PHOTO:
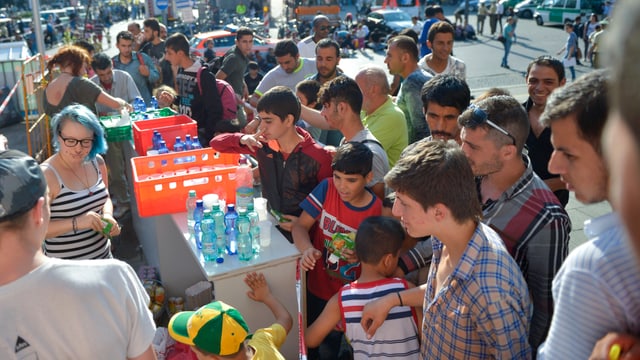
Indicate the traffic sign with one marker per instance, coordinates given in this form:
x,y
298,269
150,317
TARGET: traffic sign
x,y
162,4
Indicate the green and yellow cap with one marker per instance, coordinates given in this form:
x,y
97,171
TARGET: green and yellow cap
x,y
216,328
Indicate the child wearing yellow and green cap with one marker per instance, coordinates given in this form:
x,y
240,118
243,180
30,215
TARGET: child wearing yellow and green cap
x,y
218,330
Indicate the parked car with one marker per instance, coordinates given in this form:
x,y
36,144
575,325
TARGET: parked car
x,y
525,9
388,21
554,12
223,40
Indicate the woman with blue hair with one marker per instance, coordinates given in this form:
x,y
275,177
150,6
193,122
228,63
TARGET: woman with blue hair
x,y
82,221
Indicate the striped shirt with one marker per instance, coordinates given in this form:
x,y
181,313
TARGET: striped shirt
x,y
482,310
595,292
397,338
535,229
86,243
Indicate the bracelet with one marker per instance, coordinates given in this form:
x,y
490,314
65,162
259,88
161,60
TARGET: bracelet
x,y
74,223
399,298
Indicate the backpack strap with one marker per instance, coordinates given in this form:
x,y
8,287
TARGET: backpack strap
x,y
140,58
372,141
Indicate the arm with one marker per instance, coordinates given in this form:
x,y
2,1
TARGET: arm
x,y
151,70
107,208
302,241
375,312
260,292
629,347
112,102
233,143
416,258
322,326
149,354
546,251
314,118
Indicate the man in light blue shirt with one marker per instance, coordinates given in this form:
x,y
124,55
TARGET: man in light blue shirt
x,y
119,84
139,65
597,290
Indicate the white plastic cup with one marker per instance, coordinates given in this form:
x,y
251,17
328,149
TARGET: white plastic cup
x,y
265,233
260,205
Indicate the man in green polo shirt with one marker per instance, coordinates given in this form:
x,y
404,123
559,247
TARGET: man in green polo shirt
x,y
380,114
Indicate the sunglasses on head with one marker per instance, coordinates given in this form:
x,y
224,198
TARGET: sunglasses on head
x,y
479,117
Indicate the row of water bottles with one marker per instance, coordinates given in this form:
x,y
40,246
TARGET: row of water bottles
x,y
160,145
218,234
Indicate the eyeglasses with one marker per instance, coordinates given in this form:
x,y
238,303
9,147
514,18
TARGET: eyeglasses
x,y
479,117
71,142
323,28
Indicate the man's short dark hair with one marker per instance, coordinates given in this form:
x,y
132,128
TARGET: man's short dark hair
x,y
317,19
342,89
549,61
446,90
504,111
244,31
310,89
177,42
586,98
437,9
85,45
124,35
410,33
405,44
429,165
441,27
353,158
280,101
253,65
153,24
429,11
326,43
377,237
101,61
286,47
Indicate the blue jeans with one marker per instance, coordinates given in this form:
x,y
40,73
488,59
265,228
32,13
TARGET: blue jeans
x,y
507,49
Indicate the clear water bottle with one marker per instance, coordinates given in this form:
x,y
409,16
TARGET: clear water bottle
x,y
230,229
219,228
195,143
162,148
178,145
208,237
187,142
155,139
139,105
191,207
244,184
245,246
198,213
154,103
255,229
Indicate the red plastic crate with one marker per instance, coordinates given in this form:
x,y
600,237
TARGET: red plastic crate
x,y
162,182
169,127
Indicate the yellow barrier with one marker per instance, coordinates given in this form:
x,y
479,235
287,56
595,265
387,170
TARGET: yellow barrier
x,y
36,121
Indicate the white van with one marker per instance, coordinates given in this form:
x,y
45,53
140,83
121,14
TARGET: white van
x,y
553,12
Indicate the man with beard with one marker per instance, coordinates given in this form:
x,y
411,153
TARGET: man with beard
x,y
515,201
440,61
233,67
154,47
444,98
139,65
544,75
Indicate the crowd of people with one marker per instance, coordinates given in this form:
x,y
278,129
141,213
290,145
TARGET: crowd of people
x,y
457,205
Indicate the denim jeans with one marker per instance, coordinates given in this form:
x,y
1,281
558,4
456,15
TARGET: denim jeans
x,y
507,49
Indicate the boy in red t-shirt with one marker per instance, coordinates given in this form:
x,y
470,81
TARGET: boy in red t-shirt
x,y
336,205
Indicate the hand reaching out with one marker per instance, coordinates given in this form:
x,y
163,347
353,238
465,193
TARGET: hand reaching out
x,y
259,287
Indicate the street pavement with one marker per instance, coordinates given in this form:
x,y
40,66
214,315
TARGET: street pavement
x,y
482,57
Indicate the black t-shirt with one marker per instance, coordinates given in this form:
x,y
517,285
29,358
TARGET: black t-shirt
x,y
252,83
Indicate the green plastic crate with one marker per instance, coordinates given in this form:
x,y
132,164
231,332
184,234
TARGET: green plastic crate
x,y
124,133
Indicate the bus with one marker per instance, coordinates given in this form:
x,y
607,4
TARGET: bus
x,y
306,10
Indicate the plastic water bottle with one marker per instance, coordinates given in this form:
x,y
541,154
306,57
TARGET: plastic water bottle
x,y
154,103
187,142
198,213
139,105
195,143
178,145
244,184
255,229
219,228
245,246
155,139
230,229
208,237
162,148
191,207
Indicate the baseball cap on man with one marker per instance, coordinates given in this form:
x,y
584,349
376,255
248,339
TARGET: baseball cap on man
x,y
22,183
216,328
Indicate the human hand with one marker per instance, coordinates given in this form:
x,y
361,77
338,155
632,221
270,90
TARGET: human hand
x,y
350,256
374,314
309,258
259,287
629,347
115,228
90,220
144,70
254,141
288,225
252,126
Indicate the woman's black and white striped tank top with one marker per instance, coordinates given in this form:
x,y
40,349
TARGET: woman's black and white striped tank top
x,y
86,243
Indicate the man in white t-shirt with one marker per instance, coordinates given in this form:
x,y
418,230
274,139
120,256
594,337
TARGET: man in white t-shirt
x,y
307,46
54,308
439,61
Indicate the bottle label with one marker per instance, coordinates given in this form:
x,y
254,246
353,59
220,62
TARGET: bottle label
x,y
244,196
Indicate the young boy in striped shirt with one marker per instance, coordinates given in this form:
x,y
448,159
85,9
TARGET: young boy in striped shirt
x,y
378,242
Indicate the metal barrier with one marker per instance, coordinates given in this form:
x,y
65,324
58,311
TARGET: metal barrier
x,y
34,83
